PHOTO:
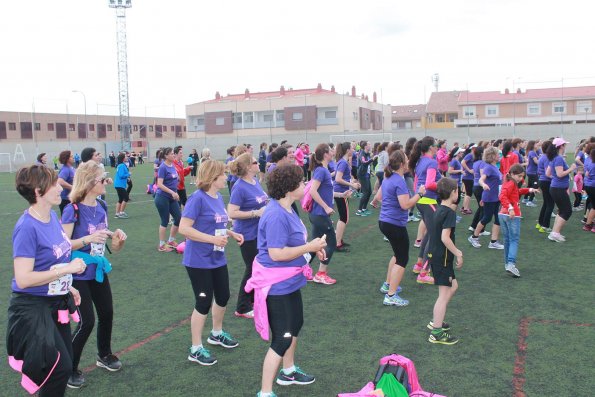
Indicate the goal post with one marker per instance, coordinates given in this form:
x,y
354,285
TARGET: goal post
x,y
6,162
378,137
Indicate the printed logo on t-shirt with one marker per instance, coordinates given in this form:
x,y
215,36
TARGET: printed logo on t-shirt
x,y
262,199
63,248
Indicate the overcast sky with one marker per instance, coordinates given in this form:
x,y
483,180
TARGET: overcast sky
x,y
183,51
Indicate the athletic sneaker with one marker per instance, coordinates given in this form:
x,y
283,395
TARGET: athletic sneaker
x,y
485,233
172,244
385,286
547,229
425,279
442,337
413,218
76,380
496,246
417,268
445,326
297,377
588,228
386,239
123,215
271,394
394,300
459,219
531,204
512,270
417,243
249,314
341,248
524,201
345,244
323,278
164,248
538,226
367,211
576,209
223,339
557,237
361,213
117,216
109,362
471,228
202,356
540,229
474,242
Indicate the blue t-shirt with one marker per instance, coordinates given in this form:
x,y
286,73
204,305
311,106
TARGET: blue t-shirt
x,y
456,165
47,244
542,165
531,166
519,156
170,178
563,182
279,228
589,172
248,197
477,167
209,215
91,219
421,172
493,179
342,166
66,173
468,159
325,190
391,211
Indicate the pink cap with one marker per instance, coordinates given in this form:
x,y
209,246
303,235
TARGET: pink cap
x,y
557,142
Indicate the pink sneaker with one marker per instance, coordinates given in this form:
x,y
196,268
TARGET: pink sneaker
x,y
424,278
249,314
172,244
417,243
323,278
417,268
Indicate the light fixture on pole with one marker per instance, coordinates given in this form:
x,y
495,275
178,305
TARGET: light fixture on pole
x,y
85,102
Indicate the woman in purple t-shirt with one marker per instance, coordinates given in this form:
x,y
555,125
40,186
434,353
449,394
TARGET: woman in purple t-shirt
x,y
282,244
343,185
167,200
39,338
558,170
246,206
85,223
204,223
322,194
65,176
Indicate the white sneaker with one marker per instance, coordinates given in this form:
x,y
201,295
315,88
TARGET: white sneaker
x,y
474,242
496,246
470,229
557,237
385,238
531,204
512,270
485,233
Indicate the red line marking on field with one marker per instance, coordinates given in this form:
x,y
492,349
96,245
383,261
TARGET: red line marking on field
x,y
518,378
143,342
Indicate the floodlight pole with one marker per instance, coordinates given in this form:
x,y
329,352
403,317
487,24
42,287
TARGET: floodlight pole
x,y
86,123
121,6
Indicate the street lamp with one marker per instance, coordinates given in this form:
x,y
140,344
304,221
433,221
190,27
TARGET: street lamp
x,y
86,124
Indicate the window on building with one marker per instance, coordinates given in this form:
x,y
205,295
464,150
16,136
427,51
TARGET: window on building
x,y
248,117
534,109
50,127
452,117
220,121
583,107
418,124
109,128
297,116
440,118
13,126
200,121
267,117
164,128
237,118
135,128
280,116
71,127
119,128
492,111
37,126
330,114
559,107
355,116
469,111
172,128
150,128
91,127
184,128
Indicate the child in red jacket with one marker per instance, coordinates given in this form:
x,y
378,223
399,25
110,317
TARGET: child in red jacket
x,y
510,216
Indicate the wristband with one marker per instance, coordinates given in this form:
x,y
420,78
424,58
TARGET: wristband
x,y
84,243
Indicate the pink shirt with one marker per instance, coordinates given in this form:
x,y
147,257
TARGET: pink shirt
x,y
299,157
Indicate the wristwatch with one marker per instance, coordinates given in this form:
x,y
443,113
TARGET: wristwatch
x,y
420,195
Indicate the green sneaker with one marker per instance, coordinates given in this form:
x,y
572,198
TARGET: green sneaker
x,y
202,356
445,326
367,211
442,337
224,339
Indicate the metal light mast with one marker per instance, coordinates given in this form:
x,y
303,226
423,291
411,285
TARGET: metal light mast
x,y
121,6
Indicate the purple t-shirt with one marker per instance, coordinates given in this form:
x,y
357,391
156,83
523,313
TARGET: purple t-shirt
x,y
325,190
581,156
542,165
271,167
456,165
354,161
332,167
477,167
590,170
519,156
269,157
227,160
563,182
91,219
46,243
170,178
493,179
209,215
531,166
421,170
468,159
342,166
248,197
391,211
279,228
66,173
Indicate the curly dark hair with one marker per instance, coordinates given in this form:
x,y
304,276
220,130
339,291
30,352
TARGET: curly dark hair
x,y
284,179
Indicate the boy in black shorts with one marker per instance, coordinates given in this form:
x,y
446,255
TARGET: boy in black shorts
x,y
441,255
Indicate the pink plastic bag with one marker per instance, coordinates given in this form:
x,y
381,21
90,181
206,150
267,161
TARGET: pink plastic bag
x,y
307,201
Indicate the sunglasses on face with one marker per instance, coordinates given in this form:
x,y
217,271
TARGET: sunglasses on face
x,y
101,180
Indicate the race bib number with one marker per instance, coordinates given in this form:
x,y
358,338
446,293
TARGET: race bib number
x,y
220,232
60,286
97,249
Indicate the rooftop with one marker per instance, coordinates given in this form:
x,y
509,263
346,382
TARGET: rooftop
x,y
539,94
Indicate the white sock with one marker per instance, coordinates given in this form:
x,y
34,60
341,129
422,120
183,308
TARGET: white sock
x,y
161,242
194,348
171,239
288,371
216,333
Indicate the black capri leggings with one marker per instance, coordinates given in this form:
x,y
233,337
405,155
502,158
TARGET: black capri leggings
x,y
322,225
399,241
490,210
245,300
547,207
531,182
477,191
468,183
342,209
286,318
207,283
562,201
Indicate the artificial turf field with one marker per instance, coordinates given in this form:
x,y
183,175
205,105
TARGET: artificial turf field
x,y
534,335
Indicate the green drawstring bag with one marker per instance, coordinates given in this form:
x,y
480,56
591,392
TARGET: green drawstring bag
x,y
391,387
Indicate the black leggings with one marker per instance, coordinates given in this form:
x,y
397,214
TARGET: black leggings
x,y
545,214
322,225
578,198
364,180
207,283
56,384
100,295
562,201
286,318
342,209
399,241
427,212
531,183
246,300
477,191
